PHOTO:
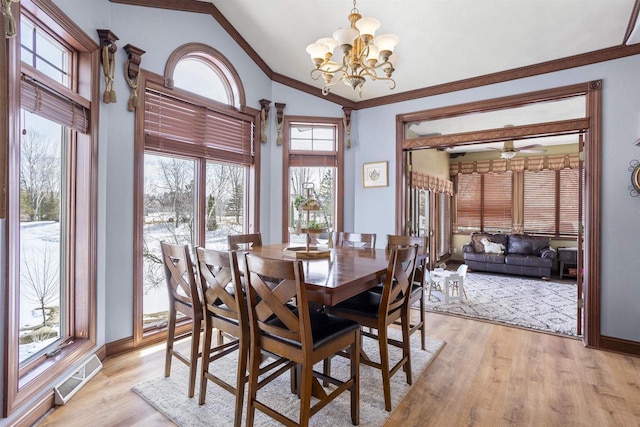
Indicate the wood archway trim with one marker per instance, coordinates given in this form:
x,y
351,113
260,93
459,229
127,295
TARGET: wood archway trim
x,y
232,82
591,125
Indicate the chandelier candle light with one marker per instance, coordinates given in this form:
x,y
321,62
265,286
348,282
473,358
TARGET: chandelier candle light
x,y
363,55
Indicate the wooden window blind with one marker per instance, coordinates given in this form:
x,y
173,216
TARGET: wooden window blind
x,y
308,160
52,105
540,201
444,206
497,206
178,126
469,201
569,203
551,202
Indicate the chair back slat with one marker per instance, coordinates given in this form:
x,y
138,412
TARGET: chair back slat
x,y
180,275
357,240
397,284
220,283
244,241
398,240
270,311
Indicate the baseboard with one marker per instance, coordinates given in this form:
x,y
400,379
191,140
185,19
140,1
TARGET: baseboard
x,y
120,346
620,345
125,345
33,412
40,407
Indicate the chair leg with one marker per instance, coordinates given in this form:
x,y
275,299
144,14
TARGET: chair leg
x,y
326,369
406,348
306,385
171,331
193,357
206,345
355,373
241,378
423,325
384,367
254,370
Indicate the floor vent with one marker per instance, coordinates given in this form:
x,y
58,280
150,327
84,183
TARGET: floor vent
x,y
75,381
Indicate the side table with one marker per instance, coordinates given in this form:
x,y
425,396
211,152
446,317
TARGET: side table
x,y
567,256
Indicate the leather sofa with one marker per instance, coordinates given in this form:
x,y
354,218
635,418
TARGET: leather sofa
x,y
523,254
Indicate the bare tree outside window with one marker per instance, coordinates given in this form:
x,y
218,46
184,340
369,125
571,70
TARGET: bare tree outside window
x,y
41,280
39,176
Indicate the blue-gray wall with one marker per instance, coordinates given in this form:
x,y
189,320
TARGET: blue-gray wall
x,y
620,212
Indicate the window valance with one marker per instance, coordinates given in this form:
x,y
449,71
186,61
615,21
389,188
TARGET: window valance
x,y
423,181
556,162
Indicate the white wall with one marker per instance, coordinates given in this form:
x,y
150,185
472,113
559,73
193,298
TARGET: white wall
x,y
620,212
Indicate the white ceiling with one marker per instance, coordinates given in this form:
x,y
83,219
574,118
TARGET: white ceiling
x,y
440,40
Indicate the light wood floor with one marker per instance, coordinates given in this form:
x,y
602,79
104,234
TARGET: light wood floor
x,y
486,375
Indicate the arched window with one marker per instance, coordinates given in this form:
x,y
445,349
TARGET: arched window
x,y
197,168
204,71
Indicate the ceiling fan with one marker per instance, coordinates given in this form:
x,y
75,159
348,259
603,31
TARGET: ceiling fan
x,y
508,151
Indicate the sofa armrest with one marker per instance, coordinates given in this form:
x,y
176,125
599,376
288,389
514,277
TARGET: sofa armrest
x,y
468,248
549,253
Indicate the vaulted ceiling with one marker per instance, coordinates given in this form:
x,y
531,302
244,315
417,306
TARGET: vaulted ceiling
x,y
443,43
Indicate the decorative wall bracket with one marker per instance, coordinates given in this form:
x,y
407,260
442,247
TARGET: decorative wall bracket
x,y
10,29
634,168
264,119
108,59
132,73
280,121
347,124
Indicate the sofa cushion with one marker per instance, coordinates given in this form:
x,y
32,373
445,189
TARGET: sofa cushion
x,y
482,257
528,260
496,238
523,244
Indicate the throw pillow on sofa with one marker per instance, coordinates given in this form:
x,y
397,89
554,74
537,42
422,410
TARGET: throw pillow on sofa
x,y
478,246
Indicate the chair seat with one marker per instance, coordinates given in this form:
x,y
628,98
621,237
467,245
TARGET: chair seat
x,y
325,327
365,304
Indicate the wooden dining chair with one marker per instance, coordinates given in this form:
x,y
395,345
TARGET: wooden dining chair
x,y
225,309
183,298
244,241
419,278
285,331
357,240
379,310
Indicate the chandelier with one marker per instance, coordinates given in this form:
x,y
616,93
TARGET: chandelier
x,y
363,55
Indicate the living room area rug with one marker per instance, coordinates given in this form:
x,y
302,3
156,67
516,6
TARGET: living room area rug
x,y
169,395
549,306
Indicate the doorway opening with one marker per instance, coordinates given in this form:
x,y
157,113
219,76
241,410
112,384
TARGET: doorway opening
x,y
530,120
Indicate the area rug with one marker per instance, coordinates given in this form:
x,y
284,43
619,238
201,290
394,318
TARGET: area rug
x,y
544,305
169,395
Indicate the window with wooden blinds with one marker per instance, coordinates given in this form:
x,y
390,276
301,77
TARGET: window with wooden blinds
x,y
551,202
569,202
469,202
177,126
497,206
540,191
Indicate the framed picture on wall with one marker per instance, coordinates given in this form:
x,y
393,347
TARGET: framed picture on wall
x,y
375,174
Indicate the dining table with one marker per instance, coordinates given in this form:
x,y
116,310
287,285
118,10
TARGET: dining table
x,y
344,273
